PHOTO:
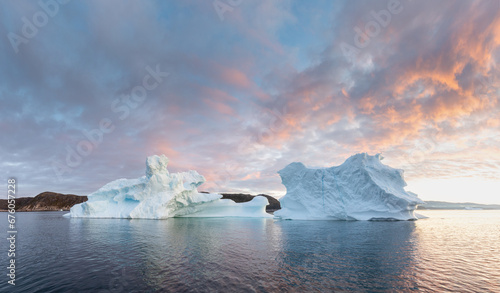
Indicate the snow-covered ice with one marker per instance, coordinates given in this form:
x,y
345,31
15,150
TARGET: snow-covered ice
x,y
362,188
160,195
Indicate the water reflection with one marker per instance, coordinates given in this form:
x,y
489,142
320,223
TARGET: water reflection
x,y
459,249
446,252
206,253
348,255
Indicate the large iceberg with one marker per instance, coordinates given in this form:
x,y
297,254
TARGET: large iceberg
x,y
362,188
160,195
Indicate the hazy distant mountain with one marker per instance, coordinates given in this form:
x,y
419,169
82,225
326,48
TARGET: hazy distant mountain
x,y
442,205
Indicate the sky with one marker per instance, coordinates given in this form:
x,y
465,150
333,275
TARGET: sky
x,y
238,89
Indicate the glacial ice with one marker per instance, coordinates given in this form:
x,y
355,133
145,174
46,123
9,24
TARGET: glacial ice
x,y
362,188
160,195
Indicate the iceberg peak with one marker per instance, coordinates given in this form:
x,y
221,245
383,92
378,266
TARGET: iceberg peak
x,y
362,188
156,165
161,195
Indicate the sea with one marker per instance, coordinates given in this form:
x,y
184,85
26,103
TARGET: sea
x,y
451,251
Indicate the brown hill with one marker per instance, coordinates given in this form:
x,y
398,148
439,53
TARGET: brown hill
x,y
45,201
52,201
273,205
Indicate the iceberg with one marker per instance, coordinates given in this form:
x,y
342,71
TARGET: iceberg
x,y
161,195
362,188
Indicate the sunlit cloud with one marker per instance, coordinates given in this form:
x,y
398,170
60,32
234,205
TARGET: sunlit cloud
x,y
268,85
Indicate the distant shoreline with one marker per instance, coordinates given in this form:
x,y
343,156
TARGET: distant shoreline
x,y
443,205
45,201
53,202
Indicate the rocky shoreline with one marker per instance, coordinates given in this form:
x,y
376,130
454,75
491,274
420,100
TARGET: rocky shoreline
x,y
45,201
52,201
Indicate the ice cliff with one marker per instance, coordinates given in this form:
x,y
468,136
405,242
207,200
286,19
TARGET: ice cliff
x,y
362,188
160,195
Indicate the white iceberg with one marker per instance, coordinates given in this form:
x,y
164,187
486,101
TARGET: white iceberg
x,y
161,195
362,188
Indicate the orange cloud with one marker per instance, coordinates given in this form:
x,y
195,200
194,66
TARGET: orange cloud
x,y
254,175
219,107
234,77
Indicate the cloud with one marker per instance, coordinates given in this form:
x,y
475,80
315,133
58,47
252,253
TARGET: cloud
x,y
245,96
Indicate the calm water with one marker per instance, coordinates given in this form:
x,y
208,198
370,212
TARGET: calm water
x,y
455,251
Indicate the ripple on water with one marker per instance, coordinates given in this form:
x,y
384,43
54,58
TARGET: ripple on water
x,y
454,251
